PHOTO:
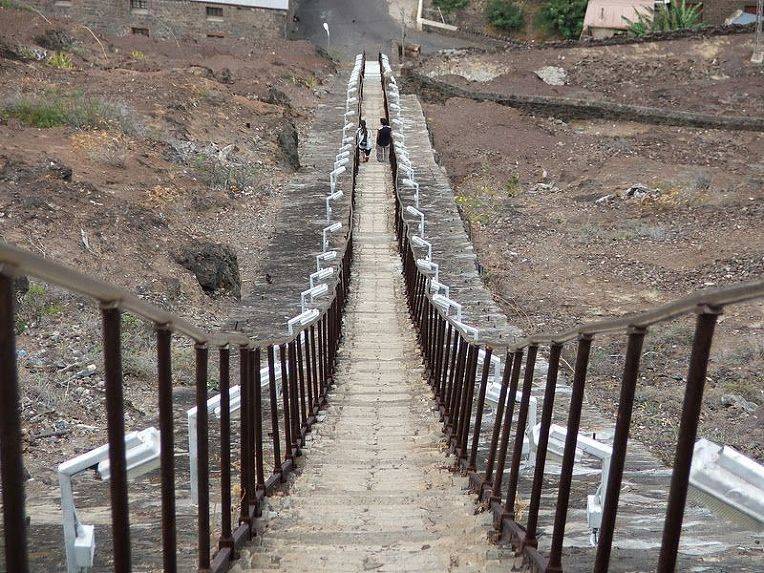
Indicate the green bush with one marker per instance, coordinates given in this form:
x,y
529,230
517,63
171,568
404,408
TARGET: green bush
x,y
675,16
449,6
61,60
54,108
505,15
566,17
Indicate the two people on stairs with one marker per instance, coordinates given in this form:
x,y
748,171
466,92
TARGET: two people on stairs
x,y
384,139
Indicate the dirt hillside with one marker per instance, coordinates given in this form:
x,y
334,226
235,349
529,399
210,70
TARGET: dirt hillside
x,y
575,221
156,166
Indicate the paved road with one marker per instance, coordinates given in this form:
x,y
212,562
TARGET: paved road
x,y
356,25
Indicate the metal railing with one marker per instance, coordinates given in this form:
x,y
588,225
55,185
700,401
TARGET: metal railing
x,y
307,360
451,355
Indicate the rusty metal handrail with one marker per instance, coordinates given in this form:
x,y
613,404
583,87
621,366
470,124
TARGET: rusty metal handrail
x,y
451,359
307,360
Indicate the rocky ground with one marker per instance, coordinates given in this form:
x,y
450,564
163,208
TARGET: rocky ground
x,y
711,75
582,220
156,166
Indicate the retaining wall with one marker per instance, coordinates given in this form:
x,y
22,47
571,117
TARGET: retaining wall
x,y
576,108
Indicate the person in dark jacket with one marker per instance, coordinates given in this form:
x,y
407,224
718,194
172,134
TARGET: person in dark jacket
x,y
384,139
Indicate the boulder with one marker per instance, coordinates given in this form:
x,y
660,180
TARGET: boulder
x,y
737,402
215,266
288,142
553,75
55,39
277,97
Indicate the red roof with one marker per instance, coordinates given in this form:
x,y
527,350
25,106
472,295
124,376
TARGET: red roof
x,y
610,13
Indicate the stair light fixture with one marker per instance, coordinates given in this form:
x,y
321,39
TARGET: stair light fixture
x,y
333,228
312,292
320,275
417,213
418,241
327,256
303,319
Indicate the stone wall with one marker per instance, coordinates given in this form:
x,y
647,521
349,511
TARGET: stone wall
x,y
567,108
713,28
169,18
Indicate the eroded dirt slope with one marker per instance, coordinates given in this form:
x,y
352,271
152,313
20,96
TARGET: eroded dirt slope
x,y
117,155
563,242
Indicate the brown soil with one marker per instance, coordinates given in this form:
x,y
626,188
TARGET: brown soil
x,y
184,149
711,75
555,258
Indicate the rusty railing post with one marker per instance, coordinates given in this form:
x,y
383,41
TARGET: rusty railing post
x,y
11,454
688,431
569,454
286,390
274,412
555,350
517,359
522,421
497,424
309,372
203,461
167,447
467,415
316,372
115,421
456,398
244,434
293,399
301,376
252,430
451,372
620,443
257,407
471,465
226,536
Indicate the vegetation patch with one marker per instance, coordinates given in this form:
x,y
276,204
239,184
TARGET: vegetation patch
x,y
666,18
565,17
54,108
61,61
450,6
505,15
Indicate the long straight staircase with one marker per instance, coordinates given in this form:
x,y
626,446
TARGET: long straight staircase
x,y
376,494
351,443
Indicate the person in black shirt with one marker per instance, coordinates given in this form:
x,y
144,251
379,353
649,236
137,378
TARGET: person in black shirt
x,y
384,139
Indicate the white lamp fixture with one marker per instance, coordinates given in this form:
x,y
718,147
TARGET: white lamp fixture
x,y
337,195
447,303
409,182
417,213
303,319
333,176
321,275
333,228
142,451
468,330
422,244
327,256
427,266
312,292
436,287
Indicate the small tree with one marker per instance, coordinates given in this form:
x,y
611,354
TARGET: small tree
x,y
505,15
449,6
566,17
674,16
